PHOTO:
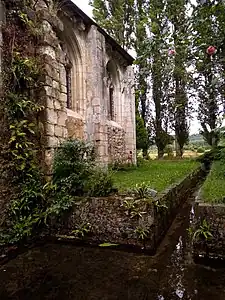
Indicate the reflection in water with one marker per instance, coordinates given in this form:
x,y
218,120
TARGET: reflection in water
x,y
176,260
76,273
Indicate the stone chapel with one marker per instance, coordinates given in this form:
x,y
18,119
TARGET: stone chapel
x,y
89,87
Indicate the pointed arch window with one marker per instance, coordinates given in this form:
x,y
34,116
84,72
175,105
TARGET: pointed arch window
x,y
111,102
69,100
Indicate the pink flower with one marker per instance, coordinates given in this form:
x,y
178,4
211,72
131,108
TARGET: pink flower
x,y
171,52
211,50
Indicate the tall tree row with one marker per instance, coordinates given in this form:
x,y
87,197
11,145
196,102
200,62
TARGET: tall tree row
x,y
117,18
208,21
179,21
169,38
160,73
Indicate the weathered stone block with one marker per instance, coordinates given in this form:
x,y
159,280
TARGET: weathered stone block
x,y
58,131
56,84
62,116
52,141
63,97
58,105
50,129
49,51
74,125
51,70
49,103
52,116
65,133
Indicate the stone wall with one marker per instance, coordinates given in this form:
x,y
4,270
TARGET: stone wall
x,y
214,215
116,141
69,37
110,221
88,116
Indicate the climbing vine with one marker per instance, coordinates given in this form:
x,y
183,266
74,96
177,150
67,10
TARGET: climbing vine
x,y
34,200
22,83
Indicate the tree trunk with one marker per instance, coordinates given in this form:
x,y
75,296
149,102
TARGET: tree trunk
x,y
179,150
160,153
145,153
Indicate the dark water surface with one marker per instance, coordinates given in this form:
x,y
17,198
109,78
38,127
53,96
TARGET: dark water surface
x,y
56,271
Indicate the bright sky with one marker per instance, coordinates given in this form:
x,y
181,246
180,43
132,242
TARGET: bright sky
x,y
83,4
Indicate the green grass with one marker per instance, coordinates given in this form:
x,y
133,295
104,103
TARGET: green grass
x,y
159,174
213,189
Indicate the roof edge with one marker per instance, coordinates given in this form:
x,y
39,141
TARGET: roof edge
x,y
90,22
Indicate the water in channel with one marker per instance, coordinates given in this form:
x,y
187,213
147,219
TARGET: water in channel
x,y
56,271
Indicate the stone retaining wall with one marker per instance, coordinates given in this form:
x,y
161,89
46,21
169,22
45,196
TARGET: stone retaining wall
x,y
110,221
214,215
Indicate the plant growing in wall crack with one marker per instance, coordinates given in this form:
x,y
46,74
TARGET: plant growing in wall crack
x,y
203,232
82,230
143,191
159,206
142,234
132,208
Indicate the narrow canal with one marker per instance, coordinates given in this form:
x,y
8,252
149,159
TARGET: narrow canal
x,y
56,271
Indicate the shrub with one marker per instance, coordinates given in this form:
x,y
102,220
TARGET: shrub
x,y
200,150
141,133
169,151
100,183
75,170
120,166
73,163
140,161
219,154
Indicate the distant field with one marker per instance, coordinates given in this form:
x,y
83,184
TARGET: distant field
x,y
187,154
159,174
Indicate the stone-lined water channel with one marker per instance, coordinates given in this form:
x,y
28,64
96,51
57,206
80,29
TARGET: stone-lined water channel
x,y
56,271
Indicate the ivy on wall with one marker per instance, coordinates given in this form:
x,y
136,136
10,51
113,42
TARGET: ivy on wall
x,y
22,82
34,199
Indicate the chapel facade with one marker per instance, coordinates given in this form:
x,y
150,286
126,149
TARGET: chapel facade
x,y
88,86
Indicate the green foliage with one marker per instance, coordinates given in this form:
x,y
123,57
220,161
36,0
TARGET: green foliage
x,y
73,165
219,154
200,150
142,233
82,230
108,245
169,151
141,133
75,170
208,83
141,190
121,166
34,202
117,18
100,183
140,161
203,232
132,208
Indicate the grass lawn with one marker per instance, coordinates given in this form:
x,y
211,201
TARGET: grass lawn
x,y
159,174
213,189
